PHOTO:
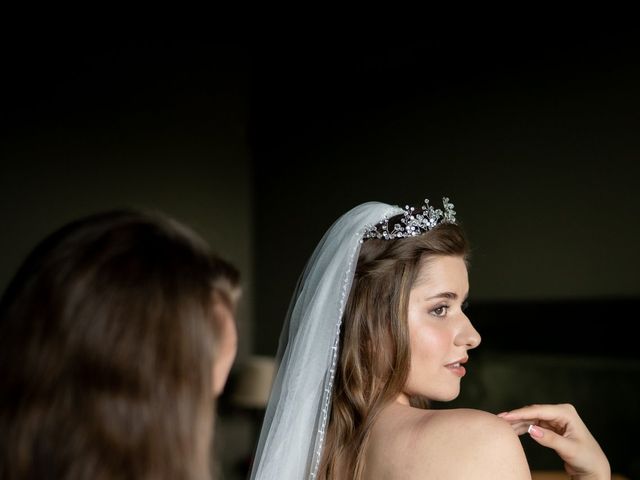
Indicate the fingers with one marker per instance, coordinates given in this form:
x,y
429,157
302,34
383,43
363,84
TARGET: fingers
x,y
543,436
520,427
563,419
549,438
562,412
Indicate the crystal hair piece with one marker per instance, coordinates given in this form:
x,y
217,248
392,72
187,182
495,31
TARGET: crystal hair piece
x,y
412,223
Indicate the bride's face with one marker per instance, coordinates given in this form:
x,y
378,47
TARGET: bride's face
x,y
440,332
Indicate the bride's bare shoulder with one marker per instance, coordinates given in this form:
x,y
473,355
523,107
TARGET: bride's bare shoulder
x,y
457,443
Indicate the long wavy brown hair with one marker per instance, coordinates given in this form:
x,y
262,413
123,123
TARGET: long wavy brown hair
x,y
106,351
374,352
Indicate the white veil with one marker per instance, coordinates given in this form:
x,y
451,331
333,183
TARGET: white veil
x,y
297,414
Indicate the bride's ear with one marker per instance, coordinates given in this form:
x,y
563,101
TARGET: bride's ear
x,y
226,342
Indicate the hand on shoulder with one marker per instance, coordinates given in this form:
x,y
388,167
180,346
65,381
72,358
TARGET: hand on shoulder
x,y
560,427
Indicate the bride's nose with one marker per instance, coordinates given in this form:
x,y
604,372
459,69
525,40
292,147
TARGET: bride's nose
x,y
468,335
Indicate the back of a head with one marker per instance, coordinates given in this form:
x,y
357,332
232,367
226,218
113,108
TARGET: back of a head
x,y
106,348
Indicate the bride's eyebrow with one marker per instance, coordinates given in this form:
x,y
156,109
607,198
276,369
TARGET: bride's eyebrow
x,y
449,295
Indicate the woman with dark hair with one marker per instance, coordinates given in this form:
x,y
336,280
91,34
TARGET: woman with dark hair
x,y
116,334
376,329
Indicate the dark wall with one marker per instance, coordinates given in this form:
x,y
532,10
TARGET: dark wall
x,y
90,123
536,143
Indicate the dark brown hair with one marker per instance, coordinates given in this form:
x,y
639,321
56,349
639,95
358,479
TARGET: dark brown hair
x,y
106,352
374,352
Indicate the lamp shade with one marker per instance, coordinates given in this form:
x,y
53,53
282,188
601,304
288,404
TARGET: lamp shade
x,y
254,380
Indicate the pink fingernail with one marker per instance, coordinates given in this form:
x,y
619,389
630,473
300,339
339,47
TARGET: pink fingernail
x,y
535,431
503,414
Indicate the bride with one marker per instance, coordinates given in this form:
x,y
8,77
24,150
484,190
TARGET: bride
x,y
376,329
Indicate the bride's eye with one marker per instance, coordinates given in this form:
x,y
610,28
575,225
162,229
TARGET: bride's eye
x,y
440,311
465,305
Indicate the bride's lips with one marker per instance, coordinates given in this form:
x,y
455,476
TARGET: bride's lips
x,y
456,367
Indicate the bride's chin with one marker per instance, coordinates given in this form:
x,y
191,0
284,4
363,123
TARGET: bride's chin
x,y
446,397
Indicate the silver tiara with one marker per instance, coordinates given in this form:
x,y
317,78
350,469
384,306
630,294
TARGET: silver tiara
x,y
412,223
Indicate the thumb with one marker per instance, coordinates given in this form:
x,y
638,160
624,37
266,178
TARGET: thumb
x,y
549,438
